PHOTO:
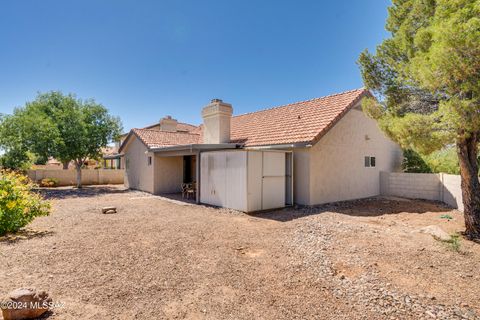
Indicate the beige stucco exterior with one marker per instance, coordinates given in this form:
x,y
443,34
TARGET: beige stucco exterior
x,y
216,122
138,174
334,169
168,174
164,175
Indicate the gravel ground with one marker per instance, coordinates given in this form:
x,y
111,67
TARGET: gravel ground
x,y
161,259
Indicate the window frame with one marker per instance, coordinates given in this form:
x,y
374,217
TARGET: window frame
x,y
370,162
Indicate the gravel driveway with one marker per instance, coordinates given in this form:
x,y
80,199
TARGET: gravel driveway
x,y
159,259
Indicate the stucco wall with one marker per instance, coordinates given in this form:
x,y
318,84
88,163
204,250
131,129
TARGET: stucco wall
x,y
452,190
301,176
168,174
138,174
336,164
69,177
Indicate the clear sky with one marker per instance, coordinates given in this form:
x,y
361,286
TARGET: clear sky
x,y
145,59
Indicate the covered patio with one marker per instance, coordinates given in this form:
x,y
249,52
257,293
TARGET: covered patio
x,y
178,167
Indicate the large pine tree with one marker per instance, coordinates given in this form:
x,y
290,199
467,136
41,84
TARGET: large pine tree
x,y
426,78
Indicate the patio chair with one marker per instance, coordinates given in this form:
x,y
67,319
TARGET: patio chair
x,y
192,190
188,189
184,189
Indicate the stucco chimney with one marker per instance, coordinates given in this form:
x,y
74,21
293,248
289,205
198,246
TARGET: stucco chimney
x,y
168,124
216,122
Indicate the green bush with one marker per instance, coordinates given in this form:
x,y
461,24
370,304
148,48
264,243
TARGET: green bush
x,y
445,160
413,162
18,204
49,182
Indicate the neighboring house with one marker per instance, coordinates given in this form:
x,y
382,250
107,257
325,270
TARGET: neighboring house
x,y
54,164
307,153
111,158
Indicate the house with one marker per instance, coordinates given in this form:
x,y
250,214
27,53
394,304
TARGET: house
x,y
112,159
307,153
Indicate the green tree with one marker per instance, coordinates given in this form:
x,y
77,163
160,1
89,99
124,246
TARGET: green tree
x,y
60,126
413,162
445,160
426,78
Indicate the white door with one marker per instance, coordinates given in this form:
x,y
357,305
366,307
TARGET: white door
x,y
217,177
273,186
205,176
235,177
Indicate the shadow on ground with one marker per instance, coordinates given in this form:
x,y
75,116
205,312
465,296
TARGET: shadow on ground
x,y
85,192
369,207
24,234
178,197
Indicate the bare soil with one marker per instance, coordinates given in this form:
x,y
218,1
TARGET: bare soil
x,y
161,259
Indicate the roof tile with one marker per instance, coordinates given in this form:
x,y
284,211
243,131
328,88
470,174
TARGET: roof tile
x,y
156,138
303,121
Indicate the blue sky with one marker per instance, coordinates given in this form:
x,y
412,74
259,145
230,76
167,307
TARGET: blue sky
x,y
146,59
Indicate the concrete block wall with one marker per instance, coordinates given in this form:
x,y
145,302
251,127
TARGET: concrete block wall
x,y
429,186
69,177
452,191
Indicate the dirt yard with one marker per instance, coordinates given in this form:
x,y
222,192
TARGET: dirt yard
x,y
157,259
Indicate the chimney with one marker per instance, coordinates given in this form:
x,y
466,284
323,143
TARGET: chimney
x,y
168,124
216,122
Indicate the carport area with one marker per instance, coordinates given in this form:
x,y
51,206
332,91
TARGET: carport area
x,y
179,166
244,180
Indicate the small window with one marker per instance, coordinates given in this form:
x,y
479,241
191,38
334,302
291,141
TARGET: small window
x,y
369,162
149,160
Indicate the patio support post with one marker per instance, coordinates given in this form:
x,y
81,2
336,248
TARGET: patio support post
x,y
197,177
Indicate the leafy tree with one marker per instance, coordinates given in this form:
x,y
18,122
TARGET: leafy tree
x,y
60,126
15,155
15,159
413,162
426,77
445,160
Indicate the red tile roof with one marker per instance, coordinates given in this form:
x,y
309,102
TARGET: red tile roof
x,y
186,127
304,121
300,122
156,138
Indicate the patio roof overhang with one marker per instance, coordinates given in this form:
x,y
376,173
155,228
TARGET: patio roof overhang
x,y
112,156
197,147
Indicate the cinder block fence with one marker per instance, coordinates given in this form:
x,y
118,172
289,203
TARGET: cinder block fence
x,y
69,177
430,186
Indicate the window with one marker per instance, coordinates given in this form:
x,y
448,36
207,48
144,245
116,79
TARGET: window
x,y
369,162
149,160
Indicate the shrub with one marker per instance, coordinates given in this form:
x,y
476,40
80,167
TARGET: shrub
x,y
413,162
445,160
49,182
18,204
454,242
